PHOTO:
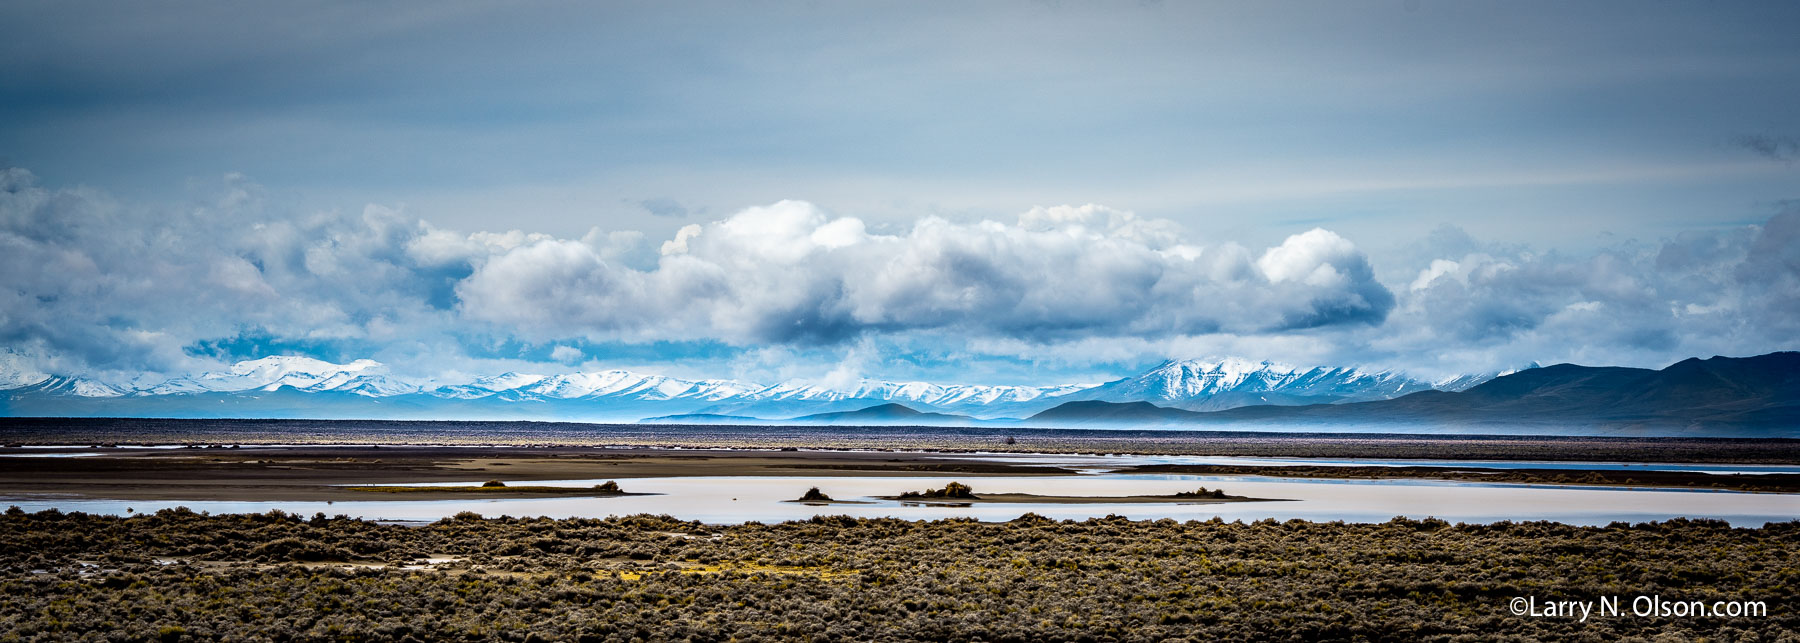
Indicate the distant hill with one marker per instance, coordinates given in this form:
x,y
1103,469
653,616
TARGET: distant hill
x,y
1102,411
704,418
1748,396
884,414
879,415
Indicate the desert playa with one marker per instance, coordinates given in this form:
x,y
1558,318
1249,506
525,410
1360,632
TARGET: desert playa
x,y
335,473
727,485
350,472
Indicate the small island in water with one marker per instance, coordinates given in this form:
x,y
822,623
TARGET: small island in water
x,y
957,493
498,488
817,498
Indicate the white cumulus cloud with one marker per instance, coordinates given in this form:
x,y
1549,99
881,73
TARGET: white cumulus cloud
x,y
791,272
97,287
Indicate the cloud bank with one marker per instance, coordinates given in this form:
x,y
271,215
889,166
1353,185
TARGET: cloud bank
x,y
1733,291
790,273
99,287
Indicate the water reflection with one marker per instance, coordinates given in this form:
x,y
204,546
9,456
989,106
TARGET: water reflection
x,y
741,499
1109,462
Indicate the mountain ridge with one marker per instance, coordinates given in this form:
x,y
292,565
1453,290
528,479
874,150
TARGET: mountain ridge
x,y
886,414
364,389
1758,395
1723,396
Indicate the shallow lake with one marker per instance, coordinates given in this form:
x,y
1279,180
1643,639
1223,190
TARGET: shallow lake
x,y
1108,462
740,499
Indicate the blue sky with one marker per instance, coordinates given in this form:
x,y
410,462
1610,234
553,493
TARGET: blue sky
x,y
895,189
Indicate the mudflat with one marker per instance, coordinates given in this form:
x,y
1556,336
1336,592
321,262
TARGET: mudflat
x,y
332,473
1445,445
316,473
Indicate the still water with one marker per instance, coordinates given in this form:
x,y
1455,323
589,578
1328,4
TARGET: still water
x,y
1108,462
738,499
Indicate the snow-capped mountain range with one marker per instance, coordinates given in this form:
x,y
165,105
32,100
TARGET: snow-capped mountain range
x,y
361,377
289,386
1233,382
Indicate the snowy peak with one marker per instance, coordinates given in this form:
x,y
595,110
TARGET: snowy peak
x,y
977,394
279,366
70,387
1193,378
1352,384
364,385
1460,383
16,372
12,380
273,373
574,385
1188,379
919,392
1526,367
619,394
613,384
486,386
715,390
1210,385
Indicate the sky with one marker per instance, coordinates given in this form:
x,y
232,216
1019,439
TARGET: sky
x,y
1000,193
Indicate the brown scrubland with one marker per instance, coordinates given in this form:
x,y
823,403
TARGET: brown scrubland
x,y
178,575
